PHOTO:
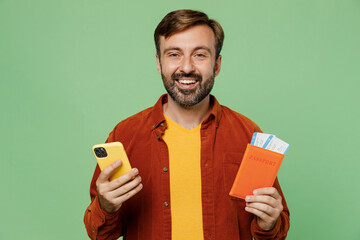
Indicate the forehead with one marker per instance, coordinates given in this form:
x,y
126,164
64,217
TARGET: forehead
x,y
193,37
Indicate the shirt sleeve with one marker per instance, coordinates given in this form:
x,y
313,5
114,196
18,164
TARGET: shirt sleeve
x,y
100,224
281,227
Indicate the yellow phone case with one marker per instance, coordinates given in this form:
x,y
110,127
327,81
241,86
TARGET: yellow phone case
x,y
115,151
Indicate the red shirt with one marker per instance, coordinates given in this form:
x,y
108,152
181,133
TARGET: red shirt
x,y
147,215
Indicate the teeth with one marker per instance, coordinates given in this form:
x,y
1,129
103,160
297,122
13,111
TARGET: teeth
x,y
187,81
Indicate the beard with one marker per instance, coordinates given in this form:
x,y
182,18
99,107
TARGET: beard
x,y
188,97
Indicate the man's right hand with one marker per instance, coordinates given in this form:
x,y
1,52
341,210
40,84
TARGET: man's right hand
x,y
112,194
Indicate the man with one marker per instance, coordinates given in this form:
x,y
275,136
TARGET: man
x,y
187,150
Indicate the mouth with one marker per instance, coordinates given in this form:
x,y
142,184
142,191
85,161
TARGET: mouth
x,y
187,83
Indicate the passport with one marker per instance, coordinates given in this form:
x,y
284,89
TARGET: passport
x,y
259,166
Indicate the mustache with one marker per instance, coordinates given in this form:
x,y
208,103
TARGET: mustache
x,y
195,76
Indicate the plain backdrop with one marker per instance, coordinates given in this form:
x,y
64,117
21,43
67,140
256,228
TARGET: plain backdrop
x,y
70,70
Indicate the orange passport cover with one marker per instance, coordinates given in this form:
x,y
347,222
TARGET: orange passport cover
x,y
258,169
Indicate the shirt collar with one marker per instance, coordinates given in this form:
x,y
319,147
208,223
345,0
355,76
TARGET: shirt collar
x,y
158,119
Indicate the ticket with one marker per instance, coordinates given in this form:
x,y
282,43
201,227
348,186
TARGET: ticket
x,y
259,139
277,145
270,142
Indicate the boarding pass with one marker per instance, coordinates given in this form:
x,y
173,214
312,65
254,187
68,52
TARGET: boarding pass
x,y
270,142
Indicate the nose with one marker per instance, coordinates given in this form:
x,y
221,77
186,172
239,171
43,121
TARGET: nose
x,y
187,65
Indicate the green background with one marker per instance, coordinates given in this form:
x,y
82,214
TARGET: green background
x,y
70,70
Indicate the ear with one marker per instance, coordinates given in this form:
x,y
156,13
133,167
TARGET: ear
x,y
217,65
158,64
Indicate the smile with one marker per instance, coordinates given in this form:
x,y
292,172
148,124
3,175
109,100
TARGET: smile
x,y
187,84
183,81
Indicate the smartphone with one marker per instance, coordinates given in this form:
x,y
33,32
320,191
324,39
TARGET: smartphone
x,y
108,153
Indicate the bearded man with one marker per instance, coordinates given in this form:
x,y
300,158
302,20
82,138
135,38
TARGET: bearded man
x,y
185,151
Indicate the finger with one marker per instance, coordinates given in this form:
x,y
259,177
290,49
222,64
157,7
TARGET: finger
x,y
258,213
129,194
108,171
265,221
267,209
127,187
118,182
269,200
268,191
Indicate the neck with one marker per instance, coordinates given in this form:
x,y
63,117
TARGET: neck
x,y
187,117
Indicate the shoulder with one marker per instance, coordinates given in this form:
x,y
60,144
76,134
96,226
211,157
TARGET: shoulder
x,y
229,116
135,119
126,128
140,125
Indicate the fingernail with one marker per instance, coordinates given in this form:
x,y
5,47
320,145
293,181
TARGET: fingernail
x,y
254,191
247,198
140,185
136,171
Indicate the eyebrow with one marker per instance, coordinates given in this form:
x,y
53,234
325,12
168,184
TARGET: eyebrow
x,y
178,49
171,48
204,48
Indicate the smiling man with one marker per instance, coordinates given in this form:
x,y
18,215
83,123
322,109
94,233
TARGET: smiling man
x,y
187,149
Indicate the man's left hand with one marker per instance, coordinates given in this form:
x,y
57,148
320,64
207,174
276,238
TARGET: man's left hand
x,y
266,205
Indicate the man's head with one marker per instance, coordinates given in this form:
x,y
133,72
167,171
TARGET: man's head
x,y
181,20
188,47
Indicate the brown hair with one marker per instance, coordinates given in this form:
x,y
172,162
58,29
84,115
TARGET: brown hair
x,y
180,20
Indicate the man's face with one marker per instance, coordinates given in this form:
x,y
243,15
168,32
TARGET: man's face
x,y
187,64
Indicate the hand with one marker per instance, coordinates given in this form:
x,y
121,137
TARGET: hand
x,y
112,194
266,205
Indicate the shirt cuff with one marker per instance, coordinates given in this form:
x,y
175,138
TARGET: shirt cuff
x,y
260,234
101,217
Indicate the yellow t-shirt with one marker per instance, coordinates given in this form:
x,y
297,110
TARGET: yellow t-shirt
x,y
185,180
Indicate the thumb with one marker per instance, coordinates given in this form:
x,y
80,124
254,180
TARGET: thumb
x,y
108,171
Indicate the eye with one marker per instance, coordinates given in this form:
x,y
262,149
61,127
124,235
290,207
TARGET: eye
x,y
173,55
200,55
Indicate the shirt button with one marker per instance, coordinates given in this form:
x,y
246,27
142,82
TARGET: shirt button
x,y
162,124
165,169
166,204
